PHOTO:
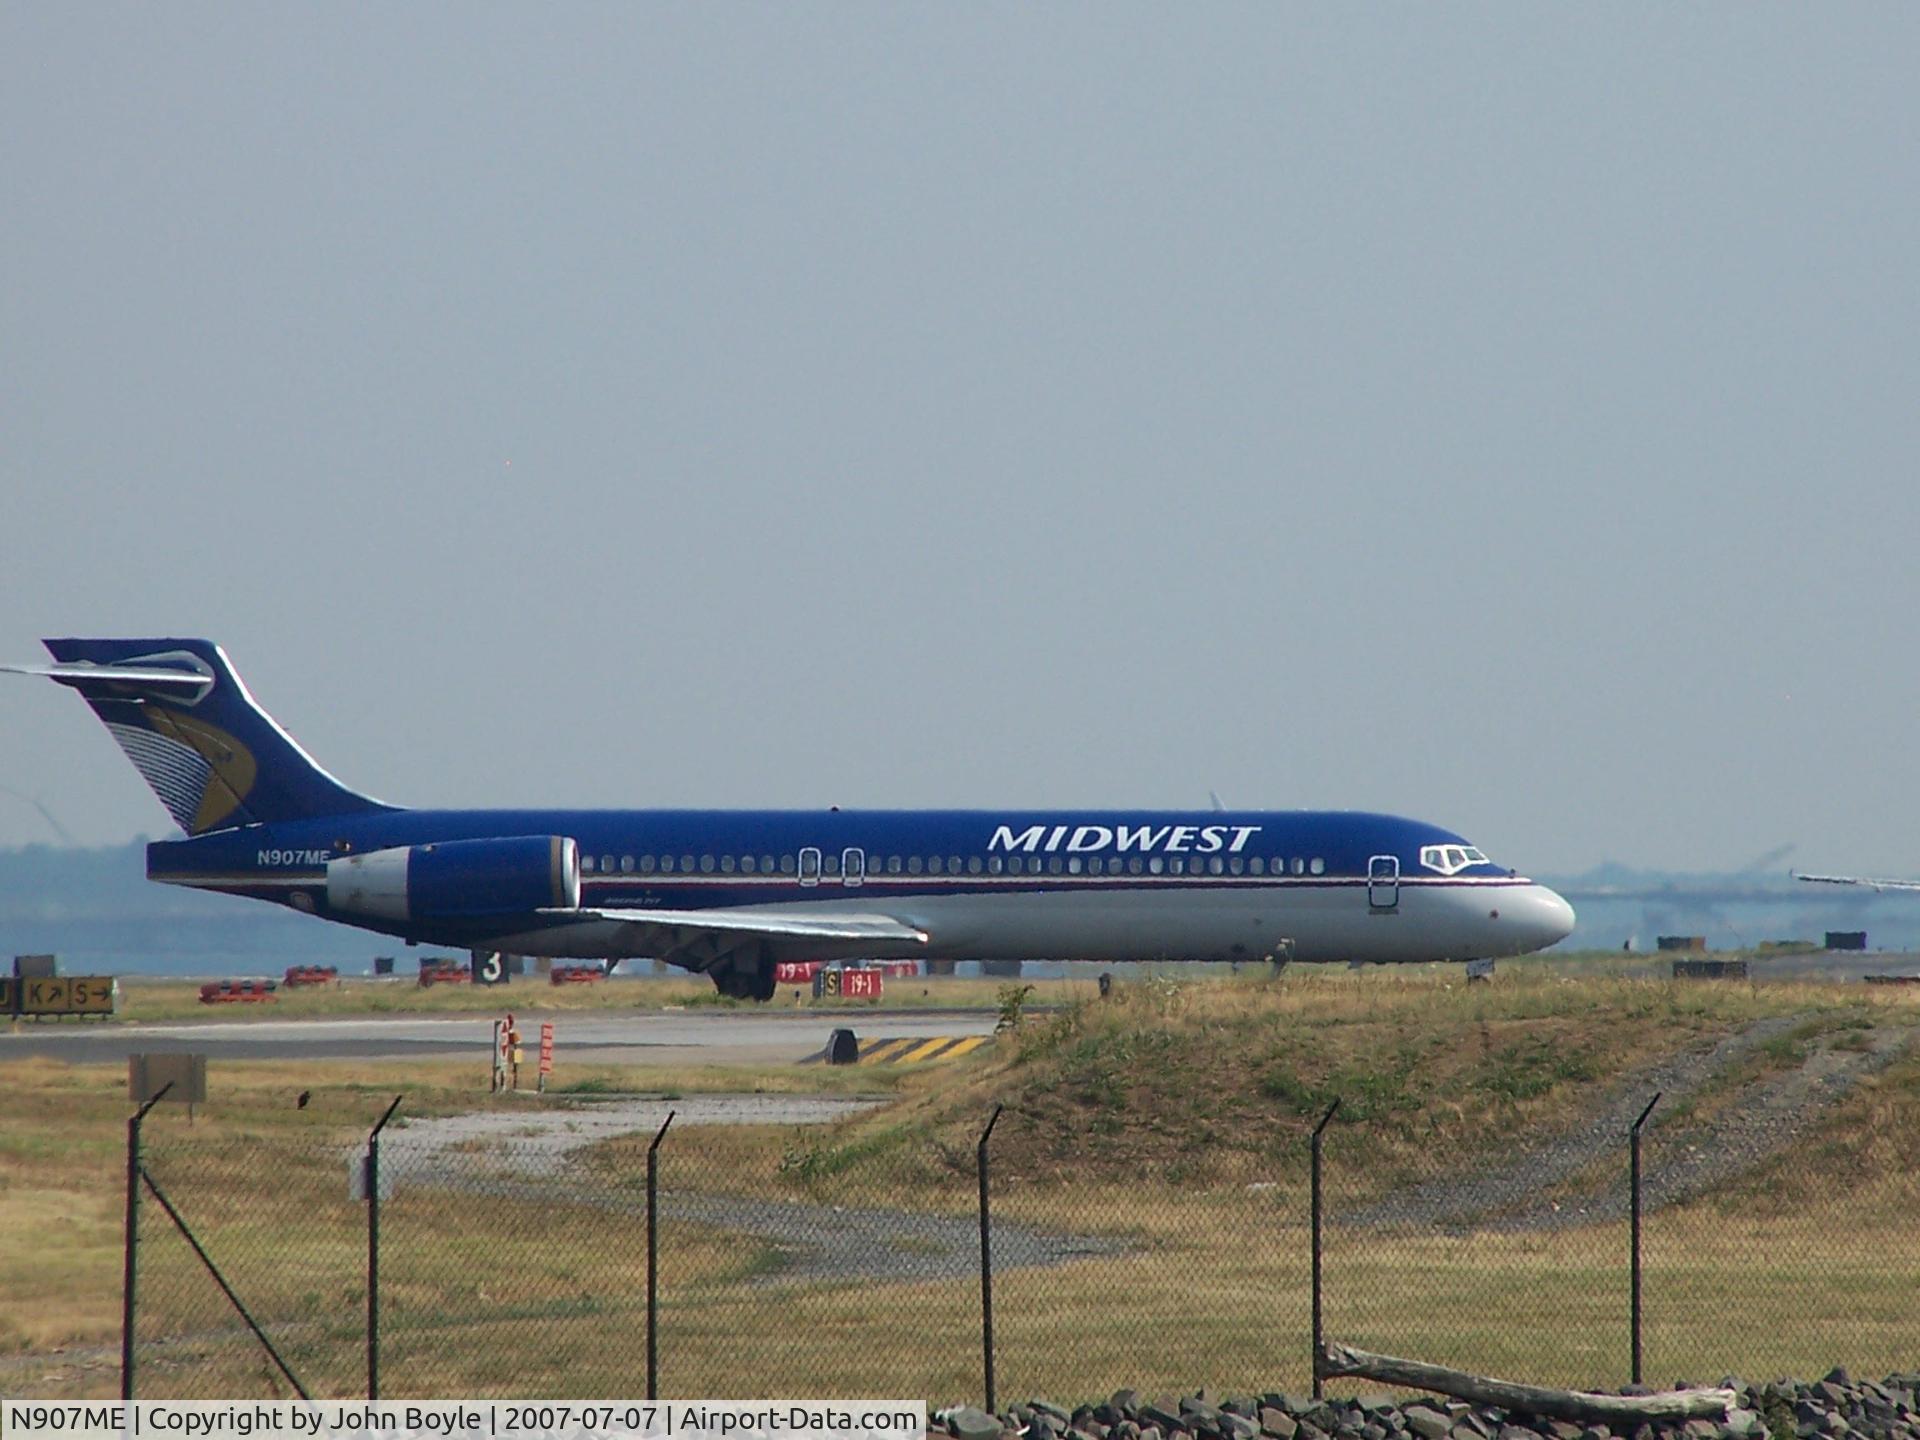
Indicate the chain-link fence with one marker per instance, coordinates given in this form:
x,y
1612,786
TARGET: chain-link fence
x,y
573,1258
1755,1263
240,1237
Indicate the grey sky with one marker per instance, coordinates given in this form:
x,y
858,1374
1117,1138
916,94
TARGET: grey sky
x,y
1503,415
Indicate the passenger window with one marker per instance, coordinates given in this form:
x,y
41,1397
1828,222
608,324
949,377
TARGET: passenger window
x,y
953,865
915,865
1214,867
830,864
786,864
586,864
747,864
706,864
626,864
666,864
1319,866
1257,865
935,865
686,864
1053,864
1156,865
1134,866
1177,865
726,864
646,864
973,864
606,864
766,865
893,864
1073,865
1236,864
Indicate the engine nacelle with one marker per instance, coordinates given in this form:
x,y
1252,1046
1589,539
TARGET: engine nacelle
x,y
457,879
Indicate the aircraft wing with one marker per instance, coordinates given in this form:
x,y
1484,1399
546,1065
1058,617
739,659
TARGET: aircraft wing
x,y
699,938
813,925
1870,884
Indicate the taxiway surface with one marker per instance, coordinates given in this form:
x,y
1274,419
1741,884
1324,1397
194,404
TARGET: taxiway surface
x,y
633,1038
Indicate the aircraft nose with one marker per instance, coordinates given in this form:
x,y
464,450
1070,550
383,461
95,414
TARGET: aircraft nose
x,y
1540,917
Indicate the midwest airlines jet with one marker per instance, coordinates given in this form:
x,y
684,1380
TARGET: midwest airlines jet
x,y
730,892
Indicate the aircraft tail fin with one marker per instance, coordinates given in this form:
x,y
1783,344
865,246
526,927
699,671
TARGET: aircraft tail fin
x,y
198,738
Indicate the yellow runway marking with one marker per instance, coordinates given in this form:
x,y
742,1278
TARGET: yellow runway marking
x,y
925,1050
885,1052
913,1049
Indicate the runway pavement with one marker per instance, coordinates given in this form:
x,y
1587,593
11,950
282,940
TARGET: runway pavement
x,y
635,1038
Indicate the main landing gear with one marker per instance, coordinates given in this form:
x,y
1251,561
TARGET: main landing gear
x,y
752,980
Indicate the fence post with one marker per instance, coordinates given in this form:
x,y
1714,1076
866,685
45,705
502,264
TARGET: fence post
x,y
1318,1334
986,1258
1633,1211
131,1268
653,1256
373,1252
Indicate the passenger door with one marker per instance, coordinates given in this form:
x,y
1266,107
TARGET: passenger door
x,y
1383,884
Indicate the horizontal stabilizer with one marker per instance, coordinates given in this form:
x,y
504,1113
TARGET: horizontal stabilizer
x,y
83,676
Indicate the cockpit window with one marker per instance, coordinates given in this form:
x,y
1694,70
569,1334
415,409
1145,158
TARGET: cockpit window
x,y
1451,859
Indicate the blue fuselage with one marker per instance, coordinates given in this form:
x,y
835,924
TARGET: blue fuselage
x,y
1099,885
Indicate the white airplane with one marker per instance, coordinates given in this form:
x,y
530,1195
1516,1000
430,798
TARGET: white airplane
x,y
1867,882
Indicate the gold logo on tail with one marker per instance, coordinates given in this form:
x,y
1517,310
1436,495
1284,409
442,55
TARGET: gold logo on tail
x,y
233,766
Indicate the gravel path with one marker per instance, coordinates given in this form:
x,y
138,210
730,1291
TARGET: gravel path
x,y
1678,1163
1693,1158
834,1242
533,1140
526,1156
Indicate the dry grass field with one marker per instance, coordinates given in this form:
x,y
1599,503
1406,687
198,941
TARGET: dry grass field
x,y
1152,1155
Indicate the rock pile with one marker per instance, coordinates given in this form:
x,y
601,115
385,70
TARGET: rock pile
x,y
1836,1406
